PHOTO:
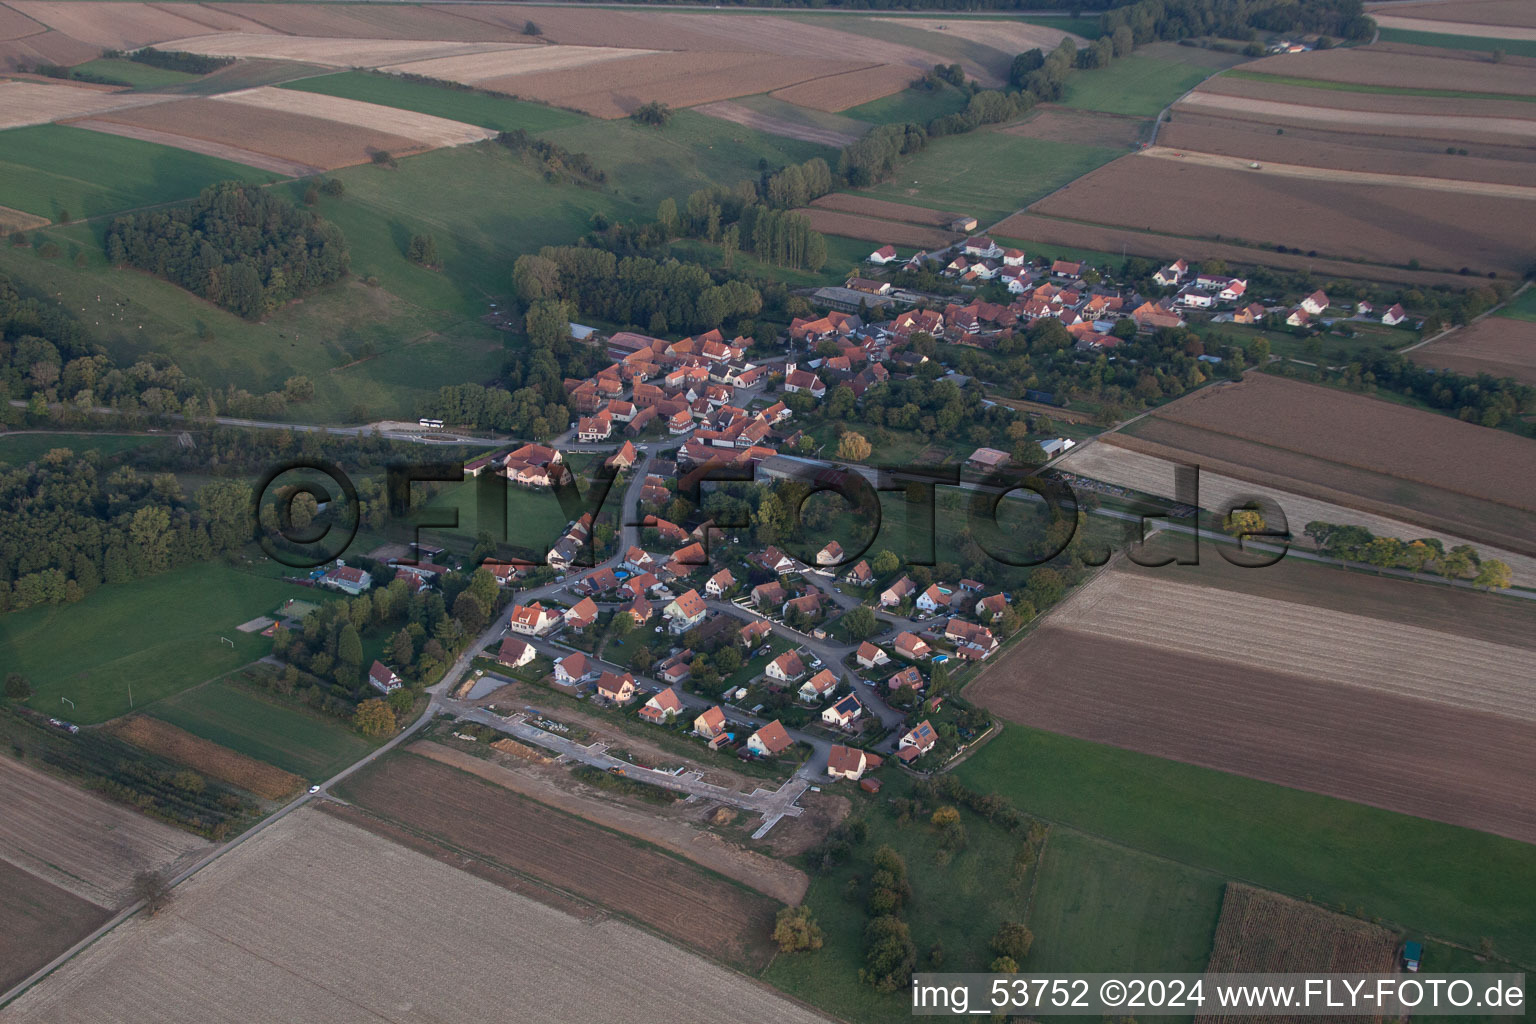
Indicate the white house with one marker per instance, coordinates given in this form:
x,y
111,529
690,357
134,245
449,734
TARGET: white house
x,y
849,762
1394,316
572,669
870,656
786,668
1172,274
844,713
383,678
771,740
347,579
982,247
685,612
883,255
1232,290
533,619
1315,303
514,653
819,687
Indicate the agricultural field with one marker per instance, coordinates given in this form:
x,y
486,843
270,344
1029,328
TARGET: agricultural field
x,y
30,103
916,105
793,122
1502,346
79,842
1483,13
273,923
135,74
1502,122
498,113
1361,707
848,89
264,727
51,170
1383,67
1052,123
877,230
38,921
163,739
192,608
675,898
1143,83
1380,224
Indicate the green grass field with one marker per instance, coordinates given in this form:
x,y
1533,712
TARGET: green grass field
x,y
1522,307
157,636
989,173
135,74
18,449
1137,84
843,255
265,727
1452,882
1384,90
52,169
916,105
501,113
1444,40
766,104
534,518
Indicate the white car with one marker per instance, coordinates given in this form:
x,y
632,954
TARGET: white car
x,y
314,789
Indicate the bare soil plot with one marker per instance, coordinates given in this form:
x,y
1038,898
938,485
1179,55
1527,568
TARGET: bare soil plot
x,y
736,113
15,25
1150,474
1262,931
1382,437
426,129
1372,66
884,209
332,52
849,89
1344,99
1088,127
27,76
1501,346
118,26
38,921
1033,227
599,27
476,68
1506,130
266,781
274,924
313,141
555,787
1001,34
873,229
1476,12
1379,224
1362,178
1254,140
373,21
675,898
222,150
23,103
80,842
19,220
1460,28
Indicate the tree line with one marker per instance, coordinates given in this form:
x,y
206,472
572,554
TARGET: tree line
x,y
173,60
1427,554
244,248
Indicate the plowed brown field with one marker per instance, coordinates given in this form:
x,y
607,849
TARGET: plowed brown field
x,y
118,26
368,21
675,898
871,229
1343,99
333,52
46,48
1476,12
1379,224
472,69
14,24
1368,66
157,737
1498,130
849,89
1501,346
38,921
864,206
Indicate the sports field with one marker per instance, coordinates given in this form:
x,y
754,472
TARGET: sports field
x,y
239,716
501,113
155,636
53,169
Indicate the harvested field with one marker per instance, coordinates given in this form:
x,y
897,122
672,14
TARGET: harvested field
x,y
1375,102
1383,437
164,739
1477,12
114,26
38,921
745,116
1386,225
1459,28
1370,66
221,150
15,25
272,928
770,877
1149,474
1000,34
430,131
884,209
1361,178
573,26
669,895
368,21
1032,227
473,69
1262,931
341,53
46,48
1501,130
676,79
1091,128
1501,346
24,103
80,842
1179,685
1253,140
312,141
19,220
849,89
872,229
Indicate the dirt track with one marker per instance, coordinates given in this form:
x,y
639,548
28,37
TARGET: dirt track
x,y
749,118
1471,188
